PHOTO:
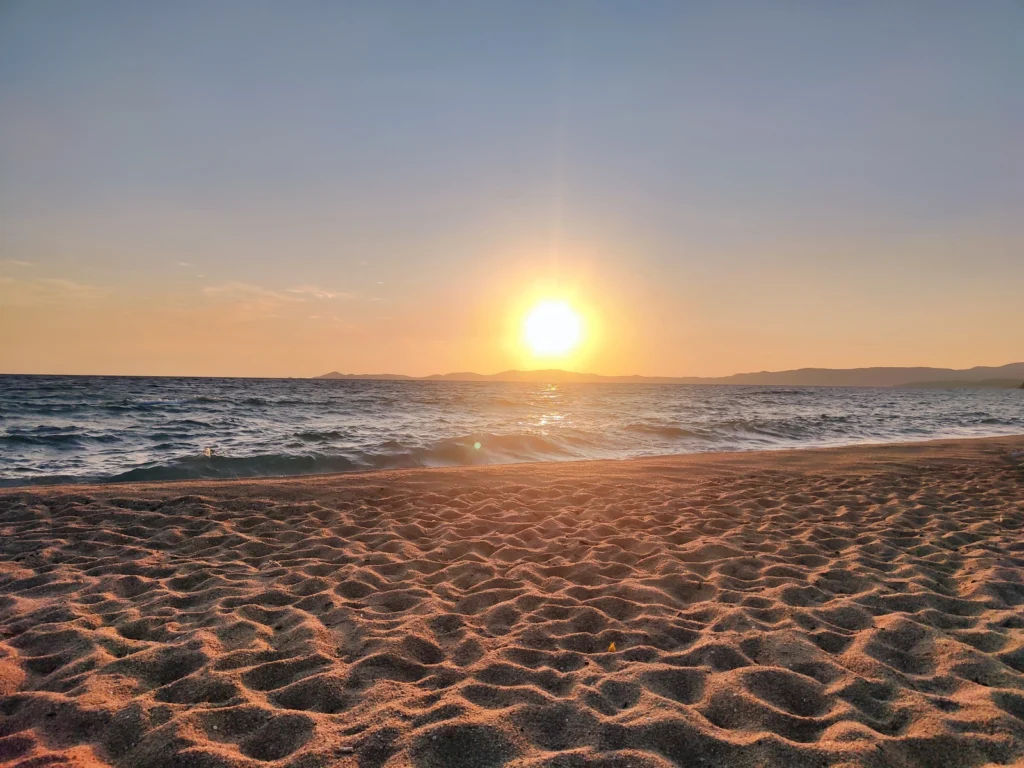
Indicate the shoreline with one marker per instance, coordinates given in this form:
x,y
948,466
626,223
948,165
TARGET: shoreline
x,y
908,444
854,605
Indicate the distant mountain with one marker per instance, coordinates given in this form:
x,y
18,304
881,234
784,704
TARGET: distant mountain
x,y
376,376
872,377
801,377
983,384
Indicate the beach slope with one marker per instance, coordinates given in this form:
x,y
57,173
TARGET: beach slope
x,y
854,606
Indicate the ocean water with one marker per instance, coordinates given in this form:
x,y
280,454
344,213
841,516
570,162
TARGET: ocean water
x,y
79,429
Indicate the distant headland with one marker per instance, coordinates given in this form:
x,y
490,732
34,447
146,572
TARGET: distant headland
x,y
1002,377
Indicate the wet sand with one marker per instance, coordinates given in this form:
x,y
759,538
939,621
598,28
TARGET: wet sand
x,y
841,607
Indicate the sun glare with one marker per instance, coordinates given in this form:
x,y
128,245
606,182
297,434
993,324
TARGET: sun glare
x,y
552,328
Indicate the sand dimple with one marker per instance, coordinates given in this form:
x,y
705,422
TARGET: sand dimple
x,y
853,607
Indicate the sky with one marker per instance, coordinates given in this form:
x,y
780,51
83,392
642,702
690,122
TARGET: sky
x,y
248,188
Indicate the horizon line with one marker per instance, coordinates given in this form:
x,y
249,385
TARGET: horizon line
x,y
512,370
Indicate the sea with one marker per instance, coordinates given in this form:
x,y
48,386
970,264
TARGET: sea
x,y
77,429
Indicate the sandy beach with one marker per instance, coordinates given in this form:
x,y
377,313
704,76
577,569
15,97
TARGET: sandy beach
x,y
840,607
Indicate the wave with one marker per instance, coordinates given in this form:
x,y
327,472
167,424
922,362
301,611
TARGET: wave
x,y
789,429
485,448
47,409
206,399
154,402
314,436
56,439
274,401
481,448
665,430
146,404
224,467
189,423
1006,422
796,428
770,392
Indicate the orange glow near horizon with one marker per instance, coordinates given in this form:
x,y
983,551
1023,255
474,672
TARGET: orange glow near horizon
x,y
555,318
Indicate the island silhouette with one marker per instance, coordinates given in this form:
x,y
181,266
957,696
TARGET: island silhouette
x,y
1004,377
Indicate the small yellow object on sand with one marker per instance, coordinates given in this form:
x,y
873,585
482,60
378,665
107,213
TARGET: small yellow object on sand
x,y
611,647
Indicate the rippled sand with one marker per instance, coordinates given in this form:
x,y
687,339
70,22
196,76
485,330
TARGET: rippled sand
x,y
858,606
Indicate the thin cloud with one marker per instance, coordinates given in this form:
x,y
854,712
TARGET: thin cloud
x,y
184,263
317,292
17,263
17,292
246,300
247,290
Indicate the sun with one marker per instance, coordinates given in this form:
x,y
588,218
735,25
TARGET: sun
x,y
552,328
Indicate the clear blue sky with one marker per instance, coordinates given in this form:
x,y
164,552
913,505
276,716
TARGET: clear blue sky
x,y
729,186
